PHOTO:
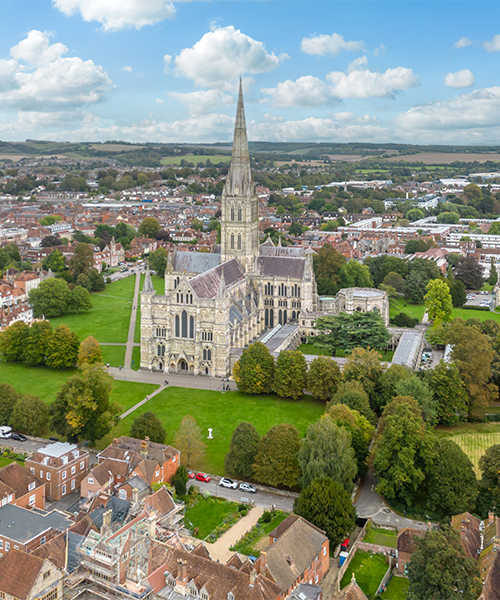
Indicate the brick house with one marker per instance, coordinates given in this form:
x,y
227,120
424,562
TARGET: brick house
x,y
104,477
299,552
21,487
352,591
62,466
27,577
406,546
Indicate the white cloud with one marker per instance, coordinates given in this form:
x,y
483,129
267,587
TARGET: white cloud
x,y
362,83
118,14
43,121
493,45
463,42
305,92
379,50
477,109
167,59
329,44
159,101
36,49
202,102
222,55
8,69
127,69
460,79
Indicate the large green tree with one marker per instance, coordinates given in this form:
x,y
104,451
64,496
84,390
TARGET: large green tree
x,y
323,377
353,395
79,299
89,351
349,331
276,459
470,272
438,301
51,298
254,372
37,343
149,227
327,451
458,293
13,341
326,504
8,399
148,425
452,483
417,388
449,393
355,274
55,261
365,366
62,348
242,451
327,265
489,484
439,569
30,415
189,441
158,261
290,376
82,260
493,277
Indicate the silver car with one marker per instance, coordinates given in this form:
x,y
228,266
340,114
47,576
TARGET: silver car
x,y
228,483
246,487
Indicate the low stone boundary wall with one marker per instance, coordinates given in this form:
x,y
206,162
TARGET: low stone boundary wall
x,y
375,548
387,576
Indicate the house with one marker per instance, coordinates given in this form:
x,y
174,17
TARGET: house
x,y
469,528
352,591
27,577
21,487
62,466
299,552
406,546
103,477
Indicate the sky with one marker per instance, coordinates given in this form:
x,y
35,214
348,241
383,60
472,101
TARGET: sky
x,y
411,71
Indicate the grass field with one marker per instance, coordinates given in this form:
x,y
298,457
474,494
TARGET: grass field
x,y
6,461
136,358
108,319
401,305
195,158
207,514
114,355
482,315
41,381
397,588
445,158
222,412
381,537
129,393
369,570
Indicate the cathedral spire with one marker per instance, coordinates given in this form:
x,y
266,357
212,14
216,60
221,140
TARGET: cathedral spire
x,y
239,180
148,285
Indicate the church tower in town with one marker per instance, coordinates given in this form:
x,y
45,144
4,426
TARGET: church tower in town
x,y
240,205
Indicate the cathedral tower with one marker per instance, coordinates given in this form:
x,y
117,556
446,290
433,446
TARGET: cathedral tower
x,y
240,206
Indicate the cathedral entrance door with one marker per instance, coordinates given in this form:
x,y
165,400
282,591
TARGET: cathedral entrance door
x,y
182,365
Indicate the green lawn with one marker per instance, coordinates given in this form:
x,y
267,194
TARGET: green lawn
x,y
129,393
136,358
397,588
108,319
222,412
369,570
114,355
195,159
6,461
482,315
41,381
381,537
316,350
247,545
401,305
207,514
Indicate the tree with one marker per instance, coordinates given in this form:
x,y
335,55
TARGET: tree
x,y
493,278
353,395
395,281
415,287
323,377
81,261
489,484
158,261
84,281
96,280
149,227
448,217
355,274
30,415
8,399
62,348
276,459
148,425
360,429
37,343
439,569
50,298
364,365
452,487
403,319
380,266
327,264
348,331
254,372
470,272
438,301
449,393
89,352
82,408
473,355
79,299
326,451
295,228
55,261
49,241
290,374
189,441
242,451
403,452
418,389
327,505
458,293
13,341
179,481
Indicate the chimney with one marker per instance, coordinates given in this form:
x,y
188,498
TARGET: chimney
x,y
152,528
289,560
106,520
262,562
144,447
253,577
135,496
115,442
184,570
491,517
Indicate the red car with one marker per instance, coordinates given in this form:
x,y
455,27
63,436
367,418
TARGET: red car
x,y
203,477
191,474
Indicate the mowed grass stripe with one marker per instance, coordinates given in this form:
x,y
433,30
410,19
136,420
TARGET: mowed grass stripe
x,y
475,445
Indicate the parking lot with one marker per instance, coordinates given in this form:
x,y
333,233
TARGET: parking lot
x,y
479,298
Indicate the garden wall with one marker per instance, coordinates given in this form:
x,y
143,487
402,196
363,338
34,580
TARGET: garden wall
x,y
375,548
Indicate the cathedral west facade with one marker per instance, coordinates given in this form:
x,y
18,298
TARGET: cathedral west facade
x,y
216,303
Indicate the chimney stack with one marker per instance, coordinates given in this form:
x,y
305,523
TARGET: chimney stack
x,y
145,447
106,520
135,496
491,517
253,577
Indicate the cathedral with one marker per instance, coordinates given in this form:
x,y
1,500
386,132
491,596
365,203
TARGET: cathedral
x,y
217,303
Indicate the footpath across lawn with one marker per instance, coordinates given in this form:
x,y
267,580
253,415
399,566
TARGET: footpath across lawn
x,y
221,412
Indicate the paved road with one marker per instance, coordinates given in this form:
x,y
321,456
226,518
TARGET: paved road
x,y
261,499
370,504
186,381
34,445
131,329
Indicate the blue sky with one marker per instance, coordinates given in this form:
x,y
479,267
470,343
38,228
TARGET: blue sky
x,y
161,71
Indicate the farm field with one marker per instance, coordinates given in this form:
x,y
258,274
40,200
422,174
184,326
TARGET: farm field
x,y
473,438
222,412
445,158
195,158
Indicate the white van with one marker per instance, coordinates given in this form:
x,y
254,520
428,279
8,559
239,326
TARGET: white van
x,y
5,432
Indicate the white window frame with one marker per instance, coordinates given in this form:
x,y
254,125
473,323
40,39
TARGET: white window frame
x,y
82,465
31,486
73,484
48,476
64,474
32,500
90,480
63,490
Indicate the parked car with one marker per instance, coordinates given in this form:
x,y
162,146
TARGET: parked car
x,y
203,477
191,474
228,483
54,439
19,437
246,487
5,431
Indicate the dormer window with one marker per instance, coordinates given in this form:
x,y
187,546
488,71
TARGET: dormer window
x,y
31,486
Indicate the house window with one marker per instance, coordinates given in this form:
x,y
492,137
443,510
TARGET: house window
x,y
1,544
46,574
32,469
157,473
122,494
32,500
31,486
91,480
7,547
82,464
63,490
73,469
64,474
73,484
41,474
52,595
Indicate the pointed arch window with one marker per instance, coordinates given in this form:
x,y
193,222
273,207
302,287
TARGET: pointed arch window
x,y
191,327
177,326
184,324
239,241
239,214
232,214
232,241
160,350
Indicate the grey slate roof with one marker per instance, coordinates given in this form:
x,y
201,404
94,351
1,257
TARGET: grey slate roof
x,y
280,266
23,525
206,285
195,262
288,251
